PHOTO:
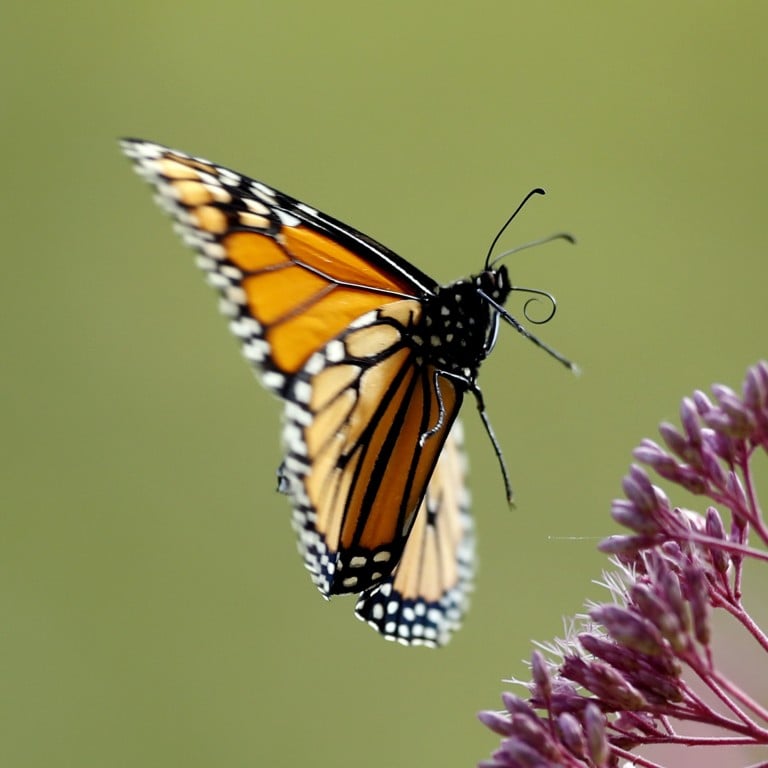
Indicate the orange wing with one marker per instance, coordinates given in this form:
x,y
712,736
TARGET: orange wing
x,y
326,315
425,598
291,278
363,432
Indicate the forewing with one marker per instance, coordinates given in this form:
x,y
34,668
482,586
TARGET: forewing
x,y
425,598
290,278
364,426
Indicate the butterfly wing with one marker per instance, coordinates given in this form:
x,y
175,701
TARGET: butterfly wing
x,y
363,431
291,278
324,314
425,598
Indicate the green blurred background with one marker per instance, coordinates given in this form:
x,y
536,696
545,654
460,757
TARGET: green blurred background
x,y
154,611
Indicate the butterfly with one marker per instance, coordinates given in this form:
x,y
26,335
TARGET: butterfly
x,y
372,359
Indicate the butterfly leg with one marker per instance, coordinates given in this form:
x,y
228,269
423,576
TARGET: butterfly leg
x,y
472,386
494,442
440,413
282,479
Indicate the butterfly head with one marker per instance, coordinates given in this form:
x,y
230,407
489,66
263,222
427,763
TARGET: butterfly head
x,y
494,283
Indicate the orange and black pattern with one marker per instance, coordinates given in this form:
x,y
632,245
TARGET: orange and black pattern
x,y
356,465
372,359
423,601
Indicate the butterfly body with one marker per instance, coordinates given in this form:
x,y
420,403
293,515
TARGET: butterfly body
x,y
459,328
372,359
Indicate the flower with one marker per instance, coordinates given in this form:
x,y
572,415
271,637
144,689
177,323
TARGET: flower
x,y
641,669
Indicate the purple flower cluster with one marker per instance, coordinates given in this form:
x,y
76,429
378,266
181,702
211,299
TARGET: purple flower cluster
x,y
641,670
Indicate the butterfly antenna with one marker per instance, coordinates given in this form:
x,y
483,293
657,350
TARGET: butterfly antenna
x,y
546,294
525,332
558,236
537,191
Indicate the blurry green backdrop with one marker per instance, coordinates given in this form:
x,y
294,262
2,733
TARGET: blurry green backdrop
x,y
153,609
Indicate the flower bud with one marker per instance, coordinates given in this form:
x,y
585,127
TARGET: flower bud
x,y
689,418
572,734
594,727
629,629
716,530
698,597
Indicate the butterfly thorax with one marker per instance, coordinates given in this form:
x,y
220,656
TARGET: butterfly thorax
x,y
458,326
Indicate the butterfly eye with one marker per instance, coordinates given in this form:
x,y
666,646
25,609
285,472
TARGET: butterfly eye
x,y
502,281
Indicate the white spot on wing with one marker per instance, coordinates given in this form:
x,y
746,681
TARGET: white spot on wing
x,y
230,178
315,364
233,273
245,327
335,351
364,320
273,379
214,250
302,391
294,412
287,219
236,294
228,309
217,280
256,351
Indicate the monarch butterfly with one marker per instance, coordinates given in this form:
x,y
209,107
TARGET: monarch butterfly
x,y
372,358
